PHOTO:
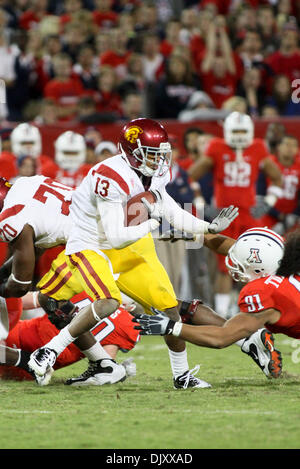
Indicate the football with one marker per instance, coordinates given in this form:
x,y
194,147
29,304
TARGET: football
x,y
135,211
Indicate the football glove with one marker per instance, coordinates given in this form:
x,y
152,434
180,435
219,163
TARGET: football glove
x,y
155,210
261,207
223,220
156,324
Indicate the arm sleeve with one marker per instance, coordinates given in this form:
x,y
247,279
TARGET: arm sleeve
x,y
180,218
118,235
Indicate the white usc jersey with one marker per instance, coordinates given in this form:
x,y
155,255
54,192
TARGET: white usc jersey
x,y
112,180
41,203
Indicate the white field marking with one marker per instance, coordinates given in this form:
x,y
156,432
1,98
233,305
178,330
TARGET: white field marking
x,y
227,412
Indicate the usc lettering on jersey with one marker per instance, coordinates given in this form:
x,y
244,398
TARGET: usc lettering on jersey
x,y
235,181
280,293
41,203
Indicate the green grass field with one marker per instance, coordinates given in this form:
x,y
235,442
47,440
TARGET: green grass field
x,y
243,409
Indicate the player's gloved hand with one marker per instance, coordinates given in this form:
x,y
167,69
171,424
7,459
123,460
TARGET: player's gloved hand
x,y
60,313
175,235
261,207
155,210
223,220
157,324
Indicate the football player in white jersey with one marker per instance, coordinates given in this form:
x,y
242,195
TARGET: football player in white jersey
x,y
100,245
40,221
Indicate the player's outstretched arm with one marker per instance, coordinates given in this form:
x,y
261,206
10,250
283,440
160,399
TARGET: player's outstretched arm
x,y
240,326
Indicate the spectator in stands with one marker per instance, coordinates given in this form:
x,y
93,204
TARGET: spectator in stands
x,y
286,60
132,106
173,92
117,55
64,88
199,38
86,67
32,16
8,55
71,7
172,38
47,112
146,19
135,79
281,97
269,112
153,60
75,37
251,48
218,70
103,15
267,28
107,98
252,90
188,25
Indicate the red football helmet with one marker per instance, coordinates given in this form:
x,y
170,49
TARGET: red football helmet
x,y
4,188
144,144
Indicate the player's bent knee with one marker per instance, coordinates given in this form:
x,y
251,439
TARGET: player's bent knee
x,y
104,307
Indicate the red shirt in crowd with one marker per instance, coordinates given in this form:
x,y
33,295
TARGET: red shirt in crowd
x,y
286,65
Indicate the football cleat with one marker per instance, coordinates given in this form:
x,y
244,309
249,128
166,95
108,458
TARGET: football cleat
x,y
188,380
104,371
260,347
42,360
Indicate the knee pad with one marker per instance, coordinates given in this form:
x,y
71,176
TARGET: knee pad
x,y
187,310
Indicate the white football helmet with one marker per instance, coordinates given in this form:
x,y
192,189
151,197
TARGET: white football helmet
x,y
256,253
238,130
26,140
70,150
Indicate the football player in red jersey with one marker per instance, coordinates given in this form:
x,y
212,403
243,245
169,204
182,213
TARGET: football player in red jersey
x,y
235,161
288,161
69,167
270,298
115,333
26,141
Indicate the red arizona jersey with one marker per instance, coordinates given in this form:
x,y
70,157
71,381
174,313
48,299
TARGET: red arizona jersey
x,y
68,178
235,182
281,293
117,329
291,185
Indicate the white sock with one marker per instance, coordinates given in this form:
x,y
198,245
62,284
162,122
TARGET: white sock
x,y
222,303
61,341
96,352
179,362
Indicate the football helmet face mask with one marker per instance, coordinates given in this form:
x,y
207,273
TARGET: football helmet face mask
x,y
26,140
4,188
238,130
257,253
144,145
70,150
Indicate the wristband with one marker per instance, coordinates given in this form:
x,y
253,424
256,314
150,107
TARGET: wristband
x,y
177,329
12,277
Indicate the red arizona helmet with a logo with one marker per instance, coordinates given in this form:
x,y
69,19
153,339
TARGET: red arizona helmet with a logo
x,y
4,188
144,144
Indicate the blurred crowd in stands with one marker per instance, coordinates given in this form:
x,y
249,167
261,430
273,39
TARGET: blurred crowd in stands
x,y
94,61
